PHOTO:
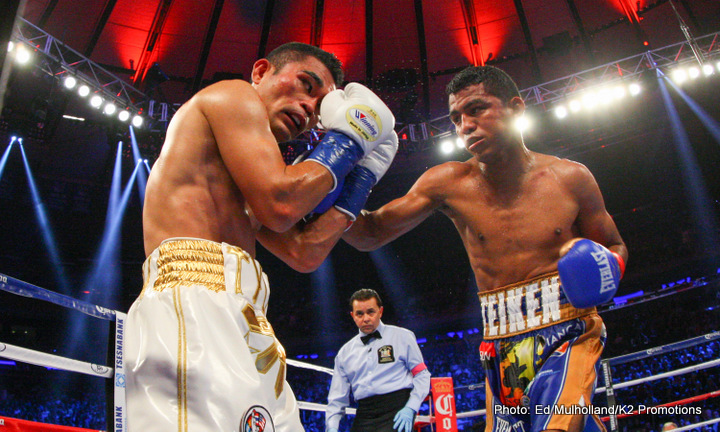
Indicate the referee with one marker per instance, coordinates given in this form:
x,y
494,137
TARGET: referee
x,y
383,367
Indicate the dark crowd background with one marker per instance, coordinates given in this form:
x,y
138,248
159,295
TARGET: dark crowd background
x,y
58,397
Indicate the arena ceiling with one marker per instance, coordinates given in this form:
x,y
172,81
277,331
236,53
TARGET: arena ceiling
x,y
407,50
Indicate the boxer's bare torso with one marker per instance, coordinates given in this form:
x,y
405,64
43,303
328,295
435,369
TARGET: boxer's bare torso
x,y
513,234
221,174
190,192
513,208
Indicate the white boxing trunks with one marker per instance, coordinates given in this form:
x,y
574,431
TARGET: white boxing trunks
x,y
200,353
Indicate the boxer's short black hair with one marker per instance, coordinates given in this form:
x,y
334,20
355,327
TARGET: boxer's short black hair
x,y
495,82
365,294
297,51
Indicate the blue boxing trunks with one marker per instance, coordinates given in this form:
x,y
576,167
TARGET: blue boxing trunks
x,y
541,356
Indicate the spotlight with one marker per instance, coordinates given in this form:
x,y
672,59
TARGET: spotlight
x,y
110,108
460,143
679,76
561,112
618,92
575,105
124,115
137,121
96,101
604,96
70,82
83,90
708,70
11,45
22,54
447,146
634,89
589,99
693,72
522,123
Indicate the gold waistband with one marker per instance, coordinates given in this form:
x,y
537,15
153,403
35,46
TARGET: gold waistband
x,y
526,306
183,262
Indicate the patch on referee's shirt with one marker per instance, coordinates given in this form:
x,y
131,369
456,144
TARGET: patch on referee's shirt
x,y
386,354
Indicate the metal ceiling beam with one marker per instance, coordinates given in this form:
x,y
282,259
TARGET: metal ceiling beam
x,y
155,31
468,10
104,17
47,12
581,29
422,44
61,59
265,32
207,43
369,42
317,24
625,70
528,40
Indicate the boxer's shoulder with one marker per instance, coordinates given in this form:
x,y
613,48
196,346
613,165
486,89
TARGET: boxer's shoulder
x,y
445,175
228,94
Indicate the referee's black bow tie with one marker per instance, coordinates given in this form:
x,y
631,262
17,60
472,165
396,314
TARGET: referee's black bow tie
x,y
367,338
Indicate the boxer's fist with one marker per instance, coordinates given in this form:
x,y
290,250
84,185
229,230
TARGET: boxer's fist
x,y
589,273
357,121
358,113
364,176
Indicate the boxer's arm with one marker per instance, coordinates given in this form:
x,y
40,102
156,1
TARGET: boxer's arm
x,y
304,247
279,194
374,229
593,221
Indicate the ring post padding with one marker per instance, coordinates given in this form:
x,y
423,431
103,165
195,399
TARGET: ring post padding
x,y
610,394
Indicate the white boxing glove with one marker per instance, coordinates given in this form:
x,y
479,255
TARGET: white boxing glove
x,y
358,113
360,181
357,121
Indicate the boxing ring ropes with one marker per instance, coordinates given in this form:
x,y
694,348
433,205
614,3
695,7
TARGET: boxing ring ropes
x,y
116,371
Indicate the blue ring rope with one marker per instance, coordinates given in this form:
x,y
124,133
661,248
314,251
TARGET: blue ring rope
x,y
16,286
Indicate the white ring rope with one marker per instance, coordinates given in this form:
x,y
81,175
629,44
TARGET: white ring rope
x,y
696,425
38,358
711,363
53,361
300,364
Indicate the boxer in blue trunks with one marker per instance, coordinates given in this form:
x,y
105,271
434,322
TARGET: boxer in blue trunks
x,y
523,217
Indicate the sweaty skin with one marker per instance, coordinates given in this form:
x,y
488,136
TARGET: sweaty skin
x,y
221,176
513,208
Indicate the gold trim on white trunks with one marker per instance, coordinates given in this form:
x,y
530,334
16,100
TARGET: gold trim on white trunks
x,y
183,261
525,306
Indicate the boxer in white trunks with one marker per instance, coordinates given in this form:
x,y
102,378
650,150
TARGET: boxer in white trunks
x,y
201,355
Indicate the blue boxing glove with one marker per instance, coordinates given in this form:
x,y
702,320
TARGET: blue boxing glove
x,y
404,419
357,121
364,176
589,273
329,199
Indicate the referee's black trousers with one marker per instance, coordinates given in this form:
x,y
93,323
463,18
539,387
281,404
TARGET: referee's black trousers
x,y
376,413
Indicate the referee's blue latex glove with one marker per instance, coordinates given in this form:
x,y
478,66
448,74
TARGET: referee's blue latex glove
x,y
404,420
332,430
